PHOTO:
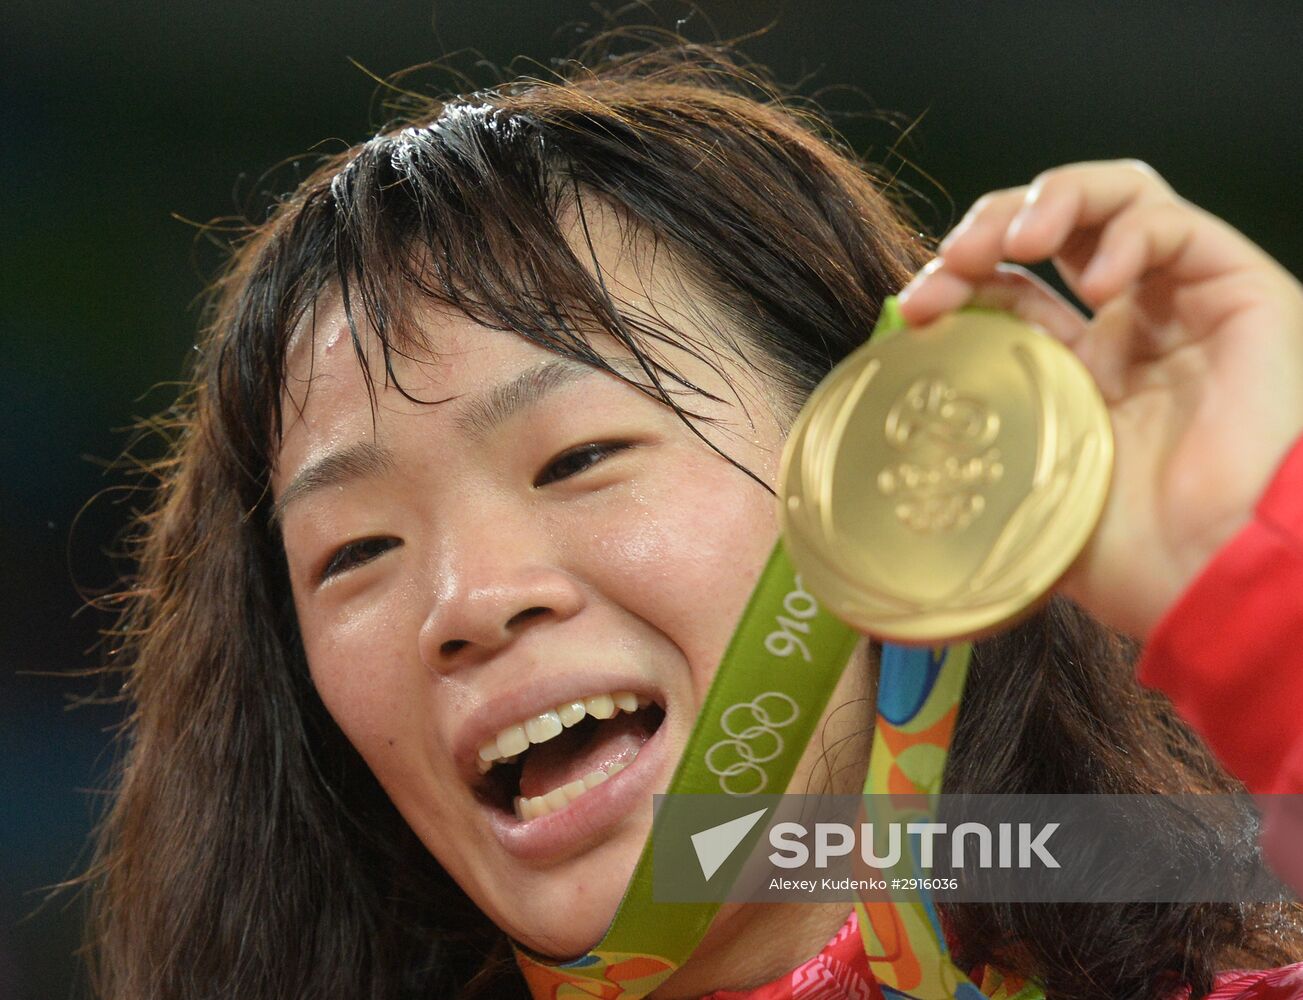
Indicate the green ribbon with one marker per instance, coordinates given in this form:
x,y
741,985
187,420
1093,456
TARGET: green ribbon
x,y
784,659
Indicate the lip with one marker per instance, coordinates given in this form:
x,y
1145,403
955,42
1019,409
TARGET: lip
x,y
587,818
531,699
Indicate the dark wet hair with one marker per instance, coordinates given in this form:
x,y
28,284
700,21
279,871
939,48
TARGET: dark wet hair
x,y
248,851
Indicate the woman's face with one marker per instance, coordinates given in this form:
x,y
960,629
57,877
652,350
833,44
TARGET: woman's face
x,y
503,566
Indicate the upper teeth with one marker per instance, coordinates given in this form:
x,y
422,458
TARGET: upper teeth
x,y
513,739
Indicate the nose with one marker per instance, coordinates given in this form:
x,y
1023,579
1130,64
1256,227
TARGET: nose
x,y
491,588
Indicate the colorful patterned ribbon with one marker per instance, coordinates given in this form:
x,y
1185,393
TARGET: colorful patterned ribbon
x,y
919,691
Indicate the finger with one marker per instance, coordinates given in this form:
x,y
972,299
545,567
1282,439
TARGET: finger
x,y
1146,237
1064,201
1009,288
976,245
1028,224
934,291
1108,349
1018,291
969,255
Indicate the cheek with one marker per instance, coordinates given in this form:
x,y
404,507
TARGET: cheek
x,y
685,555
367,686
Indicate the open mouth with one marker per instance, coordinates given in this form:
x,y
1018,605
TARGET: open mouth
x,y
547,762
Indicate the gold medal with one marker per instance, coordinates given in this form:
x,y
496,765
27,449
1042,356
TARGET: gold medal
x,y
940,481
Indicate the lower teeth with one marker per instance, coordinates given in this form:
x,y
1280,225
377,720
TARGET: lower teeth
x,y
559,798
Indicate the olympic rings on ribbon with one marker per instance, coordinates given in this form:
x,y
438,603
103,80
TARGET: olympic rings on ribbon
x,y
755,741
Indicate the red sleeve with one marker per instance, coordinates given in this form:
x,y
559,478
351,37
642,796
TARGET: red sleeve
x,y
1271,984
1229,654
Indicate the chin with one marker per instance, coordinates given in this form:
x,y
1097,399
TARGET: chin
x,y
571,908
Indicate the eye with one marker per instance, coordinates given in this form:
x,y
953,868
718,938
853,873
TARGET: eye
x,y
355,554
576,460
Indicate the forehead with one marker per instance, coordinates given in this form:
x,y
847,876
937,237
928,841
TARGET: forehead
x,y
330,399
326,396
438,335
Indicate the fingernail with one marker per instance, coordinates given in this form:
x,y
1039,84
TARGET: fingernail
x,y
908,292
963,226
1096,269
1019,221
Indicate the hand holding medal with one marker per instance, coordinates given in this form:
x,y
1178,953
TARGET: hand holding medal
x,y
1196,347
942,479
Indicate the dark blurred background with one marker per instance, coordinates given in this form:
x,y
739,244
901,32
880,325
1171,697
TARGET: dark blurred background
x,y
120,120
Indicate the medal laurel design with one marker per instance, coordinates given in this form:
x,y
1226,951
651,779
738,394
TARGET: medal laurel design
x,y
940,481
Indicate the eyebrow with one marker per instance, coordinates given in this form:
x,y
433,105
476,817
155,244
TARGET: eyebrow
x,y
360,460
480,413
